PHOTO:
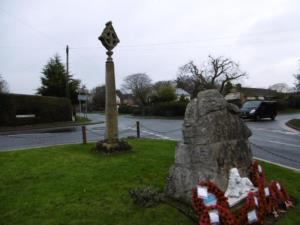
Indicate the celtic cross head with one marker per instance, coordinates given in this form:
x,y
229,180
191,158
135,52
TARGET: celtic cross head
x,y
109,37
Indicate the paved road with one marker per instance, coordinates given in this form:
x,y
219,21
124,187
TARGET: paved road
x,y
271,140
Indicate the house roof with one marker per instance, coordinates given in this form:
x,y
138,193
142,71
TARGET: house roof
x,y
128,96
180,91
233,96
257,92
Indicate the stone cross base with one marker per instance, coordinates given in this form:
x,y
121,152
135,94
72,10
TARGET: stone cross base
x,y
105,147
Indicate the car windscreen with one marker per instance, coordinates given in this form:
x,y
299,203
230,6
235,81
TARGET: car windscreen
x,y
251,104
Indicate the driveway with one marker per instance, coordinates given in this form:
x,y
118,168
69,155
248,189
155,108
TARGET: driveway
x,y
270,140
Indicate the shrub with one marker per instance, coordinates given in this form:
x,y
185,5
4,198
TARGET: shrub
x,y
287,100
126,109
45,109
293,101
138,111
175,108
146,197
282,104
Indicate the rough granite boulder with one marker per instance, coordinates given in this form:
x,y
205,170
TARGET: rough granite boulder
x,y
215,140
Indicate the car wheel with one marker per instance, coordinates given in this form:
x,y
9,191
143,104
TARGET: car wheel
x,y
256,118
273,117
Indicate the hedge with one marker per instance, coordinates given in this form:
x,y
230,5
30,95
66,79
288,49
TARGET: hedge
x,y
45,109
174,108
288,100
126,109
294,101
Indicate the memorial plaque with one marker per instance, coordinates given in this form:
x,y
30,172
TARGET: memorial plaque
x,y
267,191
256,200
259,169
214,217
252,217
278,186
202,192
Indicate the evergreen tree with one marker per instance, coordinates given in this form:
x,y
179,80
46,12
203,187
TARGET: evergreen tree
x,y
297,83
227,88
163,91
54,81
98,98
3,85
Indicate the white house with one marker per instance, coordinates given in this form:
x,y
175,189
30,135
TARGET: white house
x,y
180,92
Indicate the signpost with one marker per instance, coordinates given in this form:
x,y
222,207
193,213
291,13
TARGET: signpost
x,y
83,98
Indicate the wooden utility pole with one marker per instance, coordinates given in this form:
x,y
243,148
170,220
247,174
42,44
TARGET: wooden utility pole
x,y
67,74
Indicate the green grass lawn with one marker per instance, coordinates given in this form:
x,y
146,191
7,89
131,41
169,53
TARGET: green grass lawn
x,y
289,110
70,185
294,123
49,126
81,119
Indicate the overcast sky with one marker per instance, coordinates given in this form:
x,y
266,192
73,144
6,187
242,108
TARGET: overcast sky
x,y
156,37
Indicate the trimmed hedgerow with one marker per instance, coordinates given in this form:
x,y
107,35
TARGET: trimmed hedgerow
x,y
45,109
168,108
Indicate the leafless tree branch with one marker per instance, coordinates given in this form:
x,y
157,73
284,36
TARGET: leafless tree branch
x,y
217,72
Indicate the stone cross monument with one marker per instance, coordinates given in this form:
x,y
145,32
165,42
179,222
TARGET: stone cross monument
x,y
109,39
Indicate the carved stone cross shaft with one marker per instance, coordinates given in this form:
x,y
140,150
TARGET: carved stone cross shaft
x,y
109,39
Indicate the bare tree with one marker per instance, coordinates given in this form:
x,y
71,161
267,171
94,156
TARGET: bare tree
x,y
280,87
139,85
3,85
215,73
297,77
297,83
98,98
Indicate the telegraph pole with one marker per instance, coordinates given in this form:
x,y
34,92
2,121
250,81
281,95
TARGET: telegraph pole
x,y
67,83
67,75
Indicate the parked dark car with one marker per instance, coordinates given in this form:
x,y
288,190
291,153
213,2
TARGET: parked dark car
x,y
259,109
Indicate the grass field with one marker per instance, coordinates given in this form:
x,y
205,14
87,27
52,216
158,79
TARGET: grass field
x,y
294,123
70,185
81,119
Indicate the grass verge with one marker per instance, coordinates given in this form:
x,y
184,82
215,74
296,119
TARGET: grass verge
x,y
289,110
46,126
81,119
294,123
70,185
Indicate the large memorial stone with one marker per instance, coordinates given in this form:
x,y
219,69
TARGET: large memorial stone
x,y
215,140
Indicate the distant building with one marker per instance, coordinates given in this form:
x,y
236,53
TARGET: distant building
x,y
118,100
243,94
180,92
257,93
282,88
128,99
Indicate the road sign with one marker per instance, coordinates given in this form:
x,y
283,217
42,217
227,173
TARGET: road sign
x,y
82,97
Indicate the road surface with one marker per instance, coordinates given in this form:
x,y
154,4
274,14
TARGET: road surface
x,y
270,140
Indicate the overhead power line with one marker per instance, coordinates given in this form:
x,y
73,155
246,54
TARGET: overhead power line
x,y
157,44
248,36
41,33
